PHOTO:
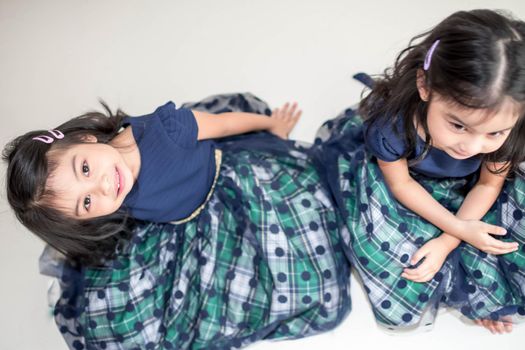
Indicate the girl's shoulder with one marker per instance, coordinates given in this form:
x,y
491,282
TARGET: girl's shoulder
x,y
178,124
385,138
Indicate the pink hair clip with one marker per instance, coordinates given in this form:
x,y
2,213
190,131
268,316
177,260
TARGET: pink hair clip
x,y
48,139
428,57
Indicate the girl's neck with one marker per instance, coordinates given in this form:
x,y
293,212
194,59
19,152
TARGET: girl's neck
x,y
126,145
421,132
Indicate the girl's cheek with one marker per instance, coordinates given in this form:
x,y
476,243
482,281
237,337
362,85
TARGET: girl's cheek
x,y
497,147
442,135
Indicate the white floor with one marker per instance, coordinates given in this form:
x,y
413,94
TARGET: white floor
x,y
57,57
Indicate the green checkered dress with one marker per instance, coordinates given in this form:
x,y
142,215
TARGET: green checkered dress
x,y
262,260
381,235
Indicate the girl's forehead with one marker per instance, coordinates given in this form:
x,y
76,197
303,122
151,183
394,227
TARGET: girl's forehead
x,y
69,150
59,196
63,148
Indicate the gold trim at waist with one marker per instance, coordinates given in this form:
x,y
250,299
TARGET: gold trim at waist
x,y
218,160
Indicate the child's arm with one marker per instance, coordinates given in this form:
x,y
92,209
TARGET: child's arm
x,y
280,123
412,195
474,207
478,202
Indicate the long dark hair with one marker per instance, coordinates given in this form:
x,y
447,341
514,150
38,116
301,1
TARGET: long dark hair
x,y
89,242
480,60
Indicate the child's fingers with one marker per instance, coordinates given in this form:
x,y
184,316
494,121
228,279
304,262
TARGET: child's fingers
x,y
484,324
295,119
280,114
421,277
412,272
418,273
284,109
425,276
292,109
298,115
494,326
487,324
503,246
507,321
500,327
418,255
495,230
500,251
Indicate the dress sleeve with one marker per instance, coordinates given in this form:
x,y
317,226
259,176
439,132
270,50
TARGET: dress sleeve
x,y
383,142
179,124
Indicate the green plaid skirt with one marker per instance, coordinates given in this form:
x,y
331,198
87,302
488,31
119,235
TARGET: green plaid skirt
x,y
262,260
381,235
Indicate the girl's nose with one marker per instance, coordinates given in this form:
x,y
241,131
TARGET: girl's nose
x,y
472,146
105,185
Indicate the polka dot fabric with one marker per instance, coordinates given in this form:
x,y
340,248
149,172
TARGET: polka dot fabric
x,y
382,235
261,261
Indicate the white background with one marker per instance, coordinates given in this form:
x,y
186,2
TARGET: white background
x,y
57,57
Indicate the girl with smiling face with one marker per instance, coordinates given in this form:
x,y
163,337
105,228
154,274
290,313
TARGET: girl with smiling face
x,y
158,167
190,233
427,176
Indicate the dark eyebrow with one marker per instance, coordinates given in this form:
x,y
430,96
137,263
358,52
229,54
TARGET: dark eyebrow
x,y
76,176
75,166
452,116
501,130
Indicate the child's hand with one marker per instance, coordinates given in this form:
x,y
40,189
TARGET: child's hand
x,y
496,327
478,234
284,120
435,252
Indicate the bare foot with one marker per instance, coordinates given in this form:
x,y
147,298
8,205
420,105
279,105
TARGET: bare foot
x,y
496,327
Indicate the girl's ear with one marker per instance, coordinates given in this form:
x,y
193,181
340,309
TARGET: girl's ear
x,y
422,85
89,138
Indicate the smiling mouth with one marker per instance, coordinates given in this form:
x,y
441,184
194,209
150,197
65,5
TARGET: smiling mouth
x,y
461,153
117,181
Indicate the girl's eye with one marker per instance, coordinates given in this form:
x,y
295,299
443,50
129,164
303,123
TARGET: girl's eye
x,y
85,168
457,126
87,202
497,134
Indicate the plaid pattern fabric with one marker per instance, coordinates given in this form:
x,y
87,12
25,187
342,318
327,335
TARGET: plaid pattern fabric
x,y
262,260
381,236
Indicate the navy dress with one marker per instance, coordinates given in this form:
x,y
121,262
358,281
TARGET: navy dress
x,y
381,235
176,172
385,141
255,253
